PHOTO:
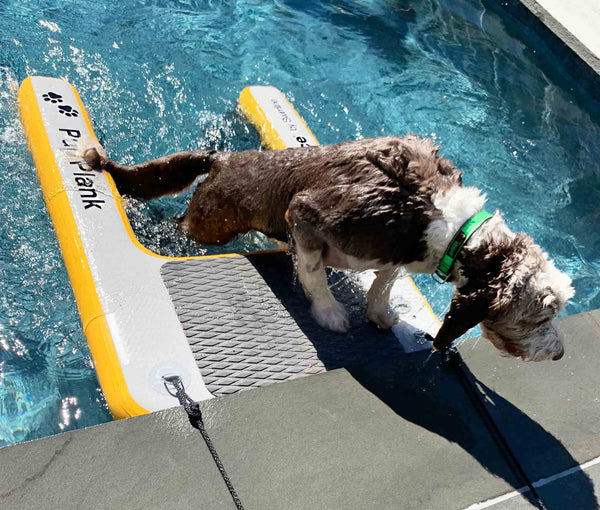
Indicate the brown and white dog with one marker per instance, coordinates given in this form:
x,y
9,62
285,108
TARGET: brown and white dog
x,y
382,204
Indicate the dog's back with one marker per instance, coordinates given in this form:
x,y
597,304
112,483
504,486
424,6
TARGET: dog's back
x,y
392,174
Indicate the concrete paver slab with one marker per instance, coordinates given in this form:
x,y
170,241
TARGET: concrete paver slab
x,y
155,461
397,434
548,412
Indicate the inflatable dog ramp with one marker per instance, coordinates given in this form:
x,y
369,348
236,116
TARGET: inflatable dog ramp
x,y
221,323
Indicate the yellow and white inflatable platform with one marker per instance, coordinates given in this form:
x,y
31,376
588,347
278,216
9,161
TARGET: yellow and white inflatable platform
x,y
221,323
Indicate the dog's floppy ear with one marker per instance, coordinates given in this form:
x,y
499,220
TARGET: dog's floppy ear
x,y
466,311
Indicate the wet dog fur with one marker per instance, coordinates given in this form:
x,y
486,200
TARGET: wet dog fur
x,y
382,204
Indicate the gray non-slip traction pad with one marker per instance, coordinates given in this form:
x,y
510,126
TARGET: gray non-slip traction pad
x,y
248,323
239,332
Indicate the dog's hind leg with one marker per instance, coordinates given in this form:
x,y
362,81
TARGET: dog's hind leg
x,y
154,178
378,299
329,313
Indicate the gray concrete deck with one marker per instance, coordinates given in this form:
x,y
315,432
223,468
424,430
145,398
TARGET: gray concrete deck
x,y
391,432
549,412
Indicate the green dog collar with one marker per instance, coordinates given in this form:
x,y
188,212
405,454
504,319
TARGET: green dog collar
x,y
458,241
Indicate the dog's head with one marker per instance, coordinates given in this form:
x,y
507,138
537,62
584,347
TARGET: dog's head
x,y
515,292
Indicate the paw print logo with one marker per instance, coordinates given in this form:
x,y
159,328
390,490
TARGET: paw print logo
x,y
52,97
68,111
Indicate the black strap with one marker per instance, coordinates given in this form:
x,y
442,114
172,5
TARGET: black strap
x,y
195,416
454,359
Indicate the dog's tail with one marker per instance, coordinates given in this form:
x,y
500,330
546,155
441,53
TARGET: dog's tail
x,y
157,177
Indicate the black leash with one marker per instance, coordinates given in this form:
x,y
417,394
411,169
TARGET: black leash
x,y
195,416
454,359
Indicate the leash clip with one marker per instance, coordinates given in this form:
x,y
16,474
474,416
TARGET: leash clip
x,y
439,277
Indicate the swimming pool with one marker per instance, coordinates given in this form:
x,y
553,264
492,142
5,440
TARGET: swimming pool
x,y
160,76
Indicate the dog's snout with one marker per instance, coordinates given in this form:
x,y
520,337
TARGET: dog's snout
x,y
558,355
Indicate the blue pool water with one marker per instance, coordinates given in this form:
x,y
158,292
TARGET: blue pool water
x,y
163,75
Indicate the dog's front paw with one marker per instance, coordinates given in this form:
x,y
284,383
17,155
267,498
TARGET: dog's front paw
x,y
93,159
333,317
384,317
